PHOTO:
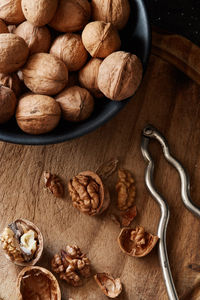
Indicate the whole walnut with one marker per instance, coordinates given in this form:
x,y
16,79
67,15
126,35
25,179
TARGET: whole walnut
x,y
88,77
40,12
7,104
38,39
11,11
11,81
13,52
71,15
37,114
3,27
76,103
114,11
100,39
120,75
69,48
45,74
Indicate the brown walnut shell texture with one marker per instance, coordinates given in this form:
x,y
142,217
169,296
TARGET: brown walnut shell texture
x,y
3,27
69,48
136,242
88,77
40,247
37,283
37,114
40,12
8,103
45,74
11,81
120,75
11,11
76,103
38,39
110,287
13,52
114,11
100,39
88,193
71,15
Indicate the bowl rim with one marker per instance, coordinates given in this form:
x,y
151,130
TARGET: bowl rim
x,y
37,140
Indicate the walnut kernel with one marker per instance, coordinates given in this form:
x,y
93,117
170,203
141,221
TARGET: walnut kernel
x,y
54,184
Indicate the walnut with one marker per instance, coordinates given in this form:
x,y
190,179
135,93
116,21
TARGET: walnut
x,y
125,189
136,242
22,242
38,39
76,103
37,283
7,103
13,52
11,11
110,287
11,81
37,114
54,184
45,74
100,39
71,15
71,265
3,27
40,12
88,193
114,11
120,75
88,77
69,48
128,216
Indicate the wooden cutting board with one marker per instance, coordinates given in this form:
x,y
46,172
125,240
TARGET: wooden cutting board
x,y
169,100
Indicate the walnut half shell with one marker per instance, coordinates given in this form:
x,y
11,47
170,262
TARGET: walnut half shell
x,y
136,242
110,287
37,283
22,242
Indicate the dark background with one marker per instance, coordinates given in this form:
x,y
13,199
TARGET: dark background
x,y
177,16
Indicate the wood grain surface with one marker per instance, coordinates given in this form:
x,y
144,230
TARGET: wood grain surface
x,y
170,101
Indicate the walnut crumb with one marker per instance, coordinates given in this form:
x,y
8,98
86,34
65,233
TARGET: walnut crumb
x,y
54,184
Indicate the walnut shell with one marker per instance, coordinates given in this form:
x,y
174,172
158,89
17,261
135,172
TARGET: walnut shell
x,y
38,39
37,283
11,11
40,244
136,242
120,75
114,11
11,81
69,48
37,114
88,193
13,52
40,12
88,77
7,104
76,103
3,27
110,287
100,39
71,15
45,74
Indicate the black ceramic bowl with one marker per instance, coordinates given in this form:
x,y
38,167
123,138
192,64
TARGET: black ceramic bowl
x,y
136,38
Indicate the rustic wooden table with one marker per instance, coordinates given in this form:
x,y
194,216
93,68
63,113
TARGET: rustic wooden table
x,y
169,100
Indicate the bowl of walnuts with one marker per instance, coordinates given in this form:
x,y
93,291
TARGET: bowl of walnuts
x,y
68,66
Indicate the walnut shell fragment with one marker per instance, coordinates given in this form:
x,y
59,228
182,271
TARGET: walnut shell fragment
x,y
22,242
125,188
88,193
11,81
110,287
71,265
54,184
136,242
37,283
